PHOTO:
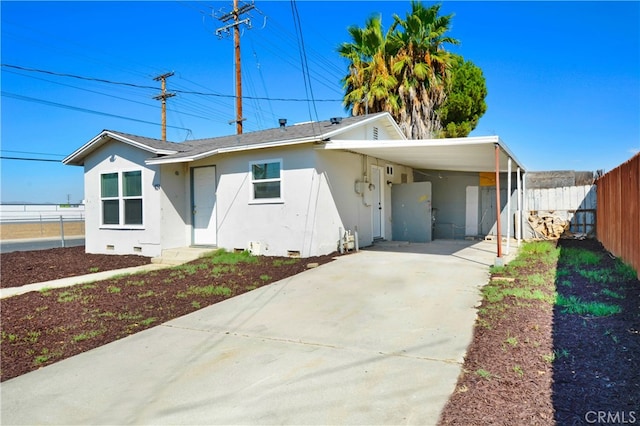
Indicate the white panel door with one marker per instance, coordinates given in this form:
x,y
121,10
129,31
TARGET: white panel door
x,y
377,200
203,208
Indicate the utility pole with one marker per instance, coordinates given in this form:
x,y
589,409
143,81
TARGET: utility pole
x,y
163,97
234,16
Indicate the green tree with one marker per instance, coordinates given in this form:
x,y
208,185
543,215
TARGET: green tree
x,y
465,102
369,85
421,66
404,71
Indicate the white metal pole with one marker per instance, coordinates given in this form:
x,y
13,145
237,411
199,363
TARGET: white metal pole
x,y
519,185
508,204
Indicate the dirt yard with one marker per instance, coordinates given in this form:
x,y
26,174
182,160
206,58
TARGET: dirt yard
x,y
16,231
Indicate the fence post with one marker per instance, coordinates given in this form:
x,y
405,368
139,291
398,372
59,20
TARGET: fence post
x,y
61,232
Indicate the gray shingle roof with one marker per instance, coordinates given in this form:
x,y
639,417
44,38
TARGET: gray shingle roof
x,y
318,130
150,142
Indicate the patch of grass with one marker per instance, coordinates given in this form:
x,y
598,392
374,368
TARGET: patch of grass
x,y
265,277
88,286
518,370
578,257
45,291
68,296
624,271
87,335
544,251
195,304
511,340
599,276
562,272
136,283
574,305
218,270
148,293
209,290
611,293
537,280
223,257
9,337
493,269
484,373
250,287
281,262
94,269
191,268
148,321
113,289
45,355
126,316
32,336
566,283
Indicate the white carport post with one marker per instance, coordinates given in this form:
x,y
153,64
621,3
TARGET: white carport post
x,y
499,261
508,204
519,216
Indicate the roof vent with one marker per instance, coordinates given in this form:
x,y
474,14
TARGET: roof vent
x,y
282,122
336,120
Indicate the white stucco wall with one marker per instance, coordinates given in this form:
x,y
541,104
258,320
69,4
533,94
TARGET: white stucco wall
x,y
116,157
279,228
175,213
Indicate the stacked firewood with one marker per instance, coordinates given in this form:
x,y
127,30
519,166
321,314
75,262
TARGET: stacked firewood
x,y
547,225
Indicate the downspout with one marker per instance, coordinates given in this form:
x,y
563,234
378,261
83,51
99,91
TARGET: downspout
x,y
499,261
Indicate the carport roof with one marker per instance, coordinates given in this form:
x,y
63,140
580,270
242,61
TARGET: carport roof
x,y
471,154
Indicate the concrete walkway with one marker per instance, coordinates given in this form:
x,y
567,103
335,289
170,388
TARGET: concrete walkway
x,y
377,337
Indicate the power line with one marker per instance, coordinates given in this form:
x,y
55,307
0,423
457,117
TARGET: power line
x,y
90,111
187,92
29,152
2,157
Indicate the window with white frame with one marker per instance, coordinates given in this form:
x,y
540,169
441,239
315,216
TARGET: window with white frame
x,y
266,180
121,198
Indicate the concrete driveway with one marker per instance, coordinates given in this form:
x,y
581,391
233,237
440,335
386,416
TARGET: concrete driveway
x,y
377,337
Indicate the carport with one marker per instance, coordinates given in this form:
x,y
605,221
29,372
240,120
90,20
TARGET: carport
x,y
485,155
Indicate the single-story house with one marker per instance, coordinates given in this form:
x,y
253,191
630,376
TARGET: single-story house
x,y
294,190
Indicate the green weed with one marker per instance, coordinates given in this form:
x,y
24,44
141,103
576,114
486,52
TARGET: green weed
x,y
611,293
209,290
32,336
148,293
600,276
573,305
624,271
148,321
518,370
223,257
578,257
195,304
513,341
86,336
136,283
113,289
68,296
281,262
484,373
94,269
265,277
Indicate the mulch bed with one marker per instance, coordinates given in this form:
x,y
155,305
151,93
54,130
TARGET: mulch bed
x,y
40,328
594,373
26,267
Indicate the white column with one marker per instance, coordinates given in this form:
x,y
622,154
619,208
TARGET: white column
x,y
508,204
519,219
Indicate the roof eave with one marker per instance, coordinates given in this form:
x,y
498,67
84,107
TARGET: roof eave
x,y
77,157
226,150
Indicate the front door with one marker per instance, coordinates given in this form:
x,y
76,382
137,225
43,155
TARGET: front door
x,y
203,208
377,200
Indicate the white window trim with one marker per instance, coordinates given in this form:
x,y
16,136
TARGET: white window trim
x,y
121,198
253,200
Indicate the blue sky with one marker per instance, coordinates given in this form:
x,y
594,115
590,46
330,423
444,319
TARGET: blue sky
x,y
563,77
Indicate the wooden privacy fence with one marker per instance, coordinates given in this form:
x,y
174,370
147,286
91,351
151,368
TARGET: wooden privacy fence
x,y
618,212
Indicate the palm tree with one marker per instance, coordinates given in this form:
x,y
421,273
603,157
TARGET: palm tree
x,y
421,66
404,71
369,85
